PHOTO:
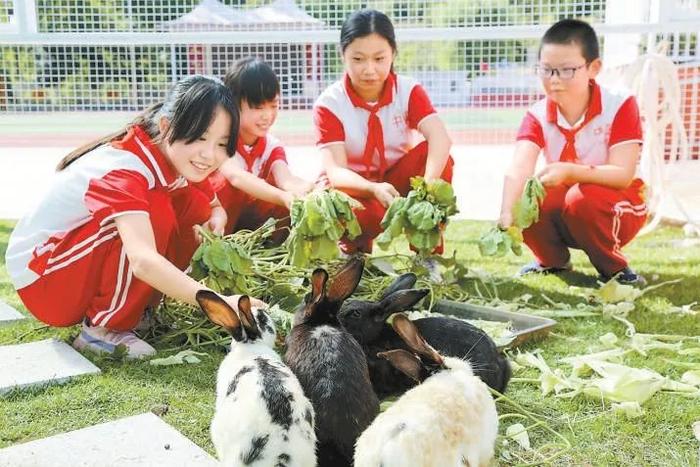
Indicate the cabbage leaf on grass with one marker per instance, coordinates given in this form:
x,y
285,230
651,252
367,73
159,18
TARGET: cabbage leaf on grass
x,y
318,222
420,216
526,211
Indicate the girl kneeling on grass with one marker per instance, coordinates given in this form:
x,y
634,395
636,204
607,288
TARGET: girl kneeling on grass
x,y
116,227
365,123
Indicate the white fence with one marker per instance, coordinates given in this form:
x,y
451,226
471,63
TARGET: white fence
x,y
474,57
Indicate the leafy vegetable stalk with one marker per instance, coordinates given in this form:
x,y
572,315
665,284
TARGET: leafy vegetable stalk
x,y
420,216
526,211
318,221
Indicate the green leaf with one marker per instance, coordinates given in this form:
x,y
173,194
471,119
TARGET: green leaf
x,y
215,257
397,208
442,192
423,216
324,248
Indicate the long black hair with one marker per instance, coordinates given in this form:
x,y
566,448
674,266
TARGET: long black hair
x,y
253,80
190,106
365,22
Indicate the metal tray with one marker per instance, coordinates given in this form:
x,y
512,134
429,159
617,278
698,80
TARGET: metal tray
x,y
525,327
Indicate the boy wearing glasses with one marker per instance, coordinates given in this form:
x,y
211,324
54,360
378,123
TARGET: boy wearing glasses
x,y
591,139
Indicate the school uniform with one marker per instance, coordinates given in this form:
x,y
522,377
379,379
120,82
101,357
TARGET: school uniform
x,y
596,219
245,211
378,140
66,259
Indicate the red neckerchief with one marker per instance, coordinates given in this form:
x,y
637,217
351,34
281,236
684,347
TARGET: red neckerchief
x,y
255,151
568,154
375,133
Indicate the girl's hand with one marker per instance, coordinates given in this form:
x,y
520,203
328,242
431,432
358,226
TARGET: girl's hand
x,y
384,192
232,300
556,173
287,198
216,223
300,188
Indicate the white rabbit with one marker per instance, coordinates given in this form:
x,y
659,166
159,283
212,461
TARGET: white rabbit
x,y
262,416
448,420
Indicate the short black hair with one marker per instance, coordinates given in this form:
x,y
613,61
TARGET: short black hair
x,y
573,31
253,80
365,22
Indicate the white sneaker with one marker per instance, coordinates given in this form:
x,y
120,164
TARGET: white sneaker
x,y
102,340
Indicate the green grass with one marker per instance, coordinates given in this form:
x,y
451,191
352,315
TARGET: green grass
x,y
661,437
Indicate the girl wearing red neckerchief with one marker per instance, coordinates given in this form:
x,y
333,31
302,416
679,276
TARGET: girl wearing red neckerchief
x,y
365,123
256,183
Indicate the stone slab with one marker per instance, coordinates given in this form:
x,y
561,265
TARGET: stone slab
x,y
40,363
9,315
141,440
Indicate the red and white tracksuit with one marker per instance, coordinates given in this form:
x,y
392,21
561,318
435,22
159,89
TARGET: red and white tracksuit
x,y
378,140
66,258
243,210
594,218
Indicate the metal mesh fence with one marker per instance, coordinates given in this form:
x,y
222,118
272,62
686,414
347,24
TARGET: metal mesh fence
x,y
474,57
153,15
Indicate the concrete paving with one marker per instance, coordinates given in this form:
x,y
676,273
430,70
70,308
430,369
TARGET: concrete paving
x,y
478,179
41,363
141,440
9,315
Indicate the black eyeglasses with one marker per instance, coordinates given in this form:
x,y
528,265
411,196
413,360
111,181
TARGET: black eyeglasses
x,y
565,73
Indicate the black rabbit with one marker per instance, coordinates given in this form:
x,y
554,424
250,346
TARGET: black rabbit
x,y
331,366
366,321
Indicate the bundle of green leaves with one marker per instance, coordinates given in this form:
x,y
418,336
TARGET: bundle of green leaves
x,y
318,221
223,263
420,216
526,211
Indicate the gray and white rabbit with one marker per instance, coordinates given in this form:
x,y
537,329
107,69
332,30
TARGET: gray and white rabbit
x,y
331,366
366,321
262,416
448,420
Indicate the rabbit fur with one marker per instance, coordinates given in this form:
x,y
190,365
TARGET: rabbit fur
x,y
331,366
366,321
262,416
449,419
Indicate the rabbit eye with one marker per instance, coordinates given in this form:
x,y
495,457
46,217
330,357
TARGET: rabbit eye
x,y
355,314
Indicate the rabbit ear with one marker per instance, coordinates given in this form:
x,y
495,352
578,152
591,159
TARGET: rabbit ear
x,y
246,315
406,363
409,333
220,313
403,282
345,282
319,278
318,284
402,300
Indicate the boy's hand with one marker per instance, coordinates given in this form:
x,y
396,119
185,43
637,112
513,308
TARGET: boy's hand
x,y
506,220
556,173
384,192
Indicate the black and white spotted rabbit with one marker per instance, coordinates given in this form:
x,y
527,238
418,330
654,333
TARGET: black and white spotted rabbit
x,y
262,416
